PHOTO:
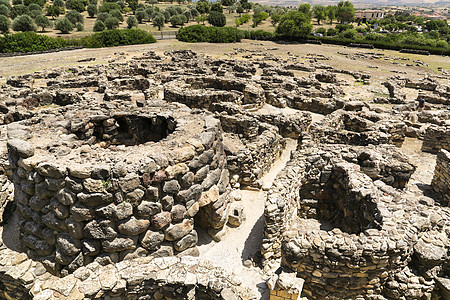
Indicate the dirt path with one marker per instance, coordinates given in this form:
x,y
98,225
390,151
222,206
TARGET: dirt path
x,y
244,242
419,184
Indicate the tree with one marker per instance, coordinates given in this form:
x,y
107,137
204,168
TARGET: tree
x,y
227,2
319,13
23,23
201,19
43,22
108,7
8,4
345,11
41,3
217,19
150,12
59,3
75,5
194,12
64,25
92,10
245,5
111,23
294,24
102,16
239,9
188,15
331,13
18,10
177,20
5,23
132,22
305,8
4,10
180,2
202,6
258,18
75,17
275,19
117,14
141,16
216,6
53,11
99,26
133,5
158,21
153,2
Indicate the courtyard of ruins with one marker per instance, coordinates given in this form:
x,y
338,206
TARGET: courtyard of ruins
x,y
254,170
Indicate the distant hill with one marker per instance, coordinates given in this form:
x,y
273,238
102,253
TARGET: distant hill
x,y
360,3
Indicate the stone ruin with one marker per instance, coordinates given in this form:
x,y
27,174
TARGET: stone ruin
x,y
111,171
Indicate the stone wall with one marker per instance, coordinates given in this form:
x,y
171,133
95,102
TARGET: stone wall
x,y
441,178
436,138
71,213
352,236
159,278
281,208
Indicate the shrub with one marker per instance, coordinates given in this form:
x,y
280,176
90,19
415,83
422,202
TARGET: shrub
x,y
29,41
64,25
294,24
74,17
331,32
132,22
43,22
23,23
5,23
111,23
343,27
200,33
99,26
92,10
260,35
79,26
116,37
348,34
217,19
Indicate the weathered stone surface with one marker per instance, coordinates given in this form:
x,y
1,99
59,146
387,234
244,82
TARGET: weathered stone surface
x,y
177,231
161,220
23,148
210,196
133,226
152,240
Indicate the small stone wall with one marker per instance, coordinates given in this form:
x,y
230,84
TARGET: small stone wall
x,y
202,92
70,212
441,178
281,208
359,128
436,138
159,278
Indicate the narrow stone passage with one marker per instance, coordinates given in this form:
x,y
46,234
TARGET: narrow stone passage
x,y
242,243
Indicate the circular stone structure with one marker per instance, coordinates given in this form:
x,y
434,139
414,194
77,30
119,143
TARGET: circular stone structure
x,y
117,184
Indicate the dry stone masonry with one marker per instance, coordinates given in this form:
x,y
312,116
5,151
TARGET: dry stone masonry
x,y
110,173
